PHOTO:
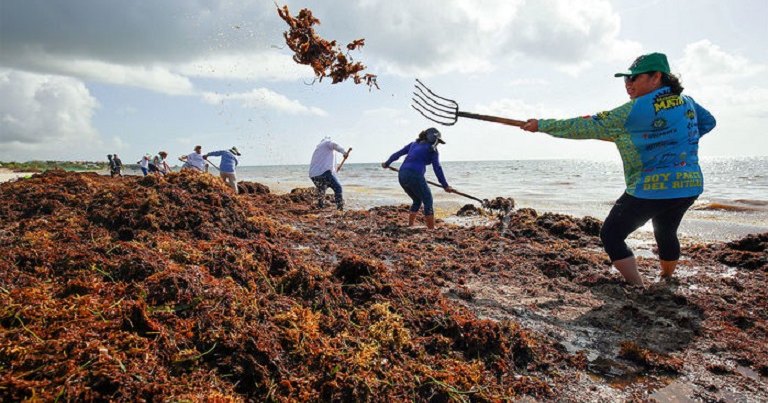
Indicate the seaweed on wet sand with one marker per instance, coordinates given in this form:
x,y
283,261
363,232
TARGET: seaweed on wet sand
x,y
650,359
201,301
176,288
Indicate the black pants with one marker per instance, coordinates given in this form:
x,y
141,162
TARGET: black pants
x,y
630,213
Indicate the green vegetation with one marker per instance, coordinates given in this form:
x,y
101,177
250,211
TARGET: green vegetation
x,y
40,166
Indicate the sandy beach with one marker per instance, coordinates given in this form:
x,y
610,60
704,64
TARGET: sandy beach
x,y
176,288
7,175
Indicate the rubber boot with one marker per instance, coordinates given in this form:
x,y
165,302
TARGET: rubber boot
x,y
628,268
411,219
430,221
667,268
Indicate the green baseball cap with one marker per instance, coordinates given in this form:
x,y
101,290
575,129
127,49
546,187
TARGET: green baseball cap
x,y
647,63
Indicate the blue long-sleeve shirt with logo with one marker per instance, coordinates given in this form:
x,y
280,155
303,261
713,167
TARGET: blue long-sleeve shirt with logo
x,y
657,136
420,154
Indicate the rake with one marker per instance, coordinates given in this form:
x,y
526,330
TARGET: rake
x,y
446,111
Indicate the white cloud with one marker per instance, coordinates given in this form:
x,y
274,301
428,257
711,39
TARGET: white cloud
x,y
152,77
160,45
263,98
704,60
44,112
436,37
725,81
571,34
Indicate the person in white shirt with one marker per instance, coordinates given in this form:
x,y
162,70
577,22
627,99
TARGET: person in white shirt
x,y
144,164
194,160
322,171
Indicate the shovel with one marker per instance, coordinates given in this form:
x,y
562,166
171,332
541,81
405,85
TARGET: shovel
x,y
454,191
446,111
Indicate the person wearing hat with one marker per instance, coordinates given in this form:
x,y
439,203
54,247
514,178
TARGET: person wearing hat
x,y
227,165
194,160
419,154
657,135
322,171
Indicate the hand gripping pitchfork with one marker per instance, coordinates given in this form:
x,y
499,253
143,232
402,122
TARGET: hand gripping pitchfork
x,y
446,111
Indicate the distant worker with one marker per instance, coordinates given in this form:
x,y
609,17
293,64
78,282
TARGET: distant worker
x,y
111,165
420,153
194,160
116,167
154,165
163,166
227,165
322,171
144,164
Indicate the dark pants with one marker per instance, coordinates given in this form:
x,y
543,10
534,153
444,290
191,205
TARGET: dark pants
x,y
322,183
415,185
630,213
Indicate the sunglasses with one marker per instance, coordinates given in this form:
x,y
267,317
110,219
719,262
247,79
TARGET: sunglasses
x,y
632,78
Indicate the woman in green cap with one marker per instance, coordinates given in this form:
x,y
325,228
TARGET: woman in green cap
x,y
657,134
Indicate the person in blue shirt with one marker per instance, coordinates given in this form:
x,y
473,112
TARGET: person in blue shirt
x,y
420,153
227,165
657,134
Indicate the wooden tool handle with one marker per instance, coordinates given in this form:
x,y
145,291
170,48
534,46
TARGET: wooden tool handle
x,y
488,118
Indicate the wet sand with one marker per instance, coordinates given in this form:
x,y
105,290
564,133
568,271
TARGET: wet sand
x,y
146,288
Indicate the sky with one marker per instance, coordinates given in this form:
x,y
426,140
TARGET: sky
x,y
80,79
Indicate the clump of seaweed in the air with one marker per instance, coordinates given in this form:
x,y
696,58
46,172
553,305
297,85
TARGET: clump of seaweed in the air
x,y
325,57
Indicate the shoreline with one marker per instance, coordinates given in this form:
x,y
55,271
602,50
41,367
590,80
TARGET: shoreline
x,y
701,224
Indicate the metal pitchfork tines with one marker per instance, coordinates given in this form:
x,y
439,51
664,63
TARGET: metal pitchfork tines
x,y
446,111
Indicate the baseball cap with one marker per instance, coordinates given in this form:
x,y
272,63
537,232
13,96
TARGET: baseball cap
x,y
647,63
433,135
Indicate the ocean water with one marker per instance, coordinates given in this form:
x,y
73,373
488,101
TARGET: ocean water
x,y
734,202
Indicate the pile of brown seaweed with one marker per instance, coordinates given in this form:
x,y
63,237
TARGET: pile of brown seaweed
x,y
175,288
325,57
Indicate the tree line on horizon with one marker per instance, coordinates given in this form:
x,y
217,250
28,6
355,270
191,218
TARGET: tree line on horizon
x,y
40,166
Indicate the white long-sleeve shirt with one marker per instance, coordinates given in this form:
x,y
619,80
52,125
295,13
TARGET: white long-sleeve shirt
x,y
196,160
323,159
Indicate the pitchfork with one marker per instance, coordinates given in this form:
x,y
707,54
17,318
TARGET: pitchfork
x,y
446,111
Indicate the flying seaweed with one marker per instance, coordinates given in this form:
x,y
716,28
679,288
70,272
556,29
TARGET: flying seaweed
x,y
325,57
